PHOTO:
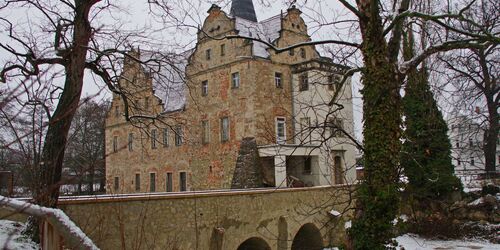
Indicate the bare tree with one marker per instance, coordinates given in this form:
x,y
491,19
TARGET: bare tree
x,y
473,75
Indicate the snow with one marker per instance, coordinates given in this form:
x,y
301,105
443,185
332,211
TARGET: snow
x,y
267,30
476,202
415,242
167,71
11,237
57,214
335,213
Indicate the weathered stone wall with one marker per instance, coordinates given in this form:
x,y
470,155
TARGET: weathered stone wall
x,y
209,220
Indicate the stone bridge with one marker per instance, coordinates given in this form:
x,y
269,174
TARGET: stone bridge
x,y
280,219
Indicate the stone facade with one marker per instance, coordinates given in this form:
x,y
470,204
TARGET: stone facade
x,y
214,220
239,125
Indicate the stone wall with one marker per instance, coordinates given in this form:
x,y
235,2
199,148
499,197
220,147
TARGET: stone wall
x,y
210,220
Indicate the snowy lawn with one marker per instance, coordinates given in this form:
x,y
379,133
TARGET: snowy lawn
x,y
415,242
11,238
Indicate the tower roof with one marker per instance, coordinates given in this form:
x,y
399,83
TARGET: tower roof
x,y
243,9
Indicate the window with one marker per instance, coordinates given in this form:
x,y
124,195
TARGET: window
x,y
336,126
182,181
291,52
305,125
338,170
278,80
117,111
130,142
280,130
115,144
472,161
333,81
178,135
146,103
458,162
307,165
152,182
117,183
303,82
235,80
302,52
165,137
168,183
204,88
137,182
205,132
470,142
208,54
458,145
224,129
222,50
153,138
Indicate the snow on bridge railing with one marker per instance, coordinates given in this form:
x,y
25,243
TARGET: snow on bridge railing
x,y
73,237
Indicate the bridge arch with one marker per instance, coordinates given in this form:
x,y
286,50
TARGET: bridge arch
x,y
254,243
308,238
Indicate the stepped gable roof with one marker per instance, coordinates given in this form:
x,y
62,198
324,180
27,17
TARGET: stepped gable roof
x,y
267,30
243,9
167,71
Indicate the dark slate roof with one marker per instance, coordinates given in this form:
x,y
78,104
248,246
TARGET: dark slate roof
x,y
243,9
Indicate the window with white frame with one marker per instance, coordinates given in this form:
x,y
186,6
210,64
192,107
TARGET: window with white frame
x,y
278,80
204,88
280,130
224,129
235,80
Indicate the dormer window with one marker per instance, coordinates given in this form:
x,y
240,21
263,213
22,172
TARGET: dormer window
x,y
208,54
302,52
291,52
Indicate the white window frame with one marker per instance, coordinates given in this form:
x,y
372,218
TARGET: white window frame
x,y
235,80
278,80
204,88
280,120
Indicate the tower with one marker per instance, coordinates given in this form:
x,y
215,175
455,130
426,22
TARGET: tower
x,y
243,9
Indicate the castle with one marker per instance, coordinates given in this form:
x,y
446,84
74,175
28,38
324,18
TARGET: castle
x,y
237,114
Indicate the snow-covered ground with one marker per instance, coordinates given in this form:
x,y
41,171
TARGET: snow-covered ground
x,y
11,237
414,242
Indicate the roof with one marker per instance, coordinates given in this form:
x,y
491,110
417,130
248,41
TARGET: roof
x,y
243,9
267,30
168,73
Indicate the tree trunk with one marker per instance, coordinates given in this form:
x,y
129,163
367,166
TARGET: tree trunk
x,y
378,195
491,133
59,124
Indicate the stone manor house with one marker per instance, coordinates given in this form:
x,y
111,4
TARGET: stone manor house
x,y
238,115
